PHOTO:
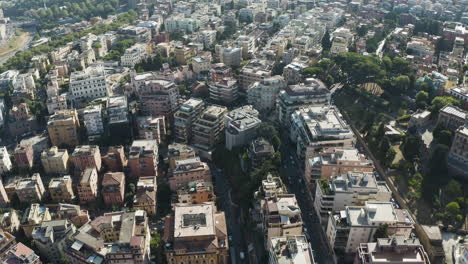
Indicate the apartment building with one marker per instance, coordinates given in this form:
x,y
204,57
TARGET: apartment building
x,y
292,72
254,71
34,216
55,160
113,188
316,127
152,128
201,65
177,151
145,196
20,253
357,224
392,250
30,189
196,232
220,71
88,186
225,91
349,189
263,95
458,155
259,150
4,199
241,127
63,128
61,189
184,117
116,237
93,123
86,156
143,158
452,117
89,84
117,110
73,213
188,170
115,159
5,161
134,55
281,216
196,192
312,92
231,56
159,98
290,249
56,103
208,129
51,237
335,161
24,156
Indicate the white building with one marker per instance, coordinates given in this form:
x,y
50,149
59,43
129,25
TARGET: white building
x,y
224,91
2,111
319,126
341,39
241,126
56,103
133,55
231,56
292,72
247,43
263,95
357,224
310,93
290,249
254,71
93,121
207,37
180,23
89,84
5,161
350,189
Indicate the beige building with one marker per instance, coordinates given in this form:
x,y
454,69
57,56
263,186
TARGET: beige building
x,y
30,189
145,197
177,152
55,160
196,232
34,216
458,155
63,128
88,186
188,170
61,189
184,117
208,129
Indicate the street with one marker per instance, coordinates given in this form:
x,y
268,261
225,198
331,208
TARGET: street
x,y
296,184
223,192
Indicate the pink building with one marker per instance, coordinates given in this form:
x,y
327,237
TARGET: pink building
x,y
336,161
115,159
113,188
159,98
24,156
86,156
143,158
88,187
152,128
188,170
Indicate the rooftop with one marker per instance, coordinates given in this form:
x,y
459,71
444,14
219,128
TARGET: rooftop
x,y
194,220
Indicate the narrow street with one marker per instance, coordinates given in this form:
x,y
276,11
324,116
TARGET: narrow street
x,y
223,192
296,184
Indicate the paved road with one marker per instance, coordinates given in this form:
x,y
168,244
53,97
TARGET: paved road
x,y
223,192
293,169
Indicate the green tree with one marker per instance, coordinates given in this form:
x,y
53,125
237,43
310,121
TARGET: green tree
x,y
381,232
445,138
440,101
402,83
411,147
454,189
326,41
453,208
421,98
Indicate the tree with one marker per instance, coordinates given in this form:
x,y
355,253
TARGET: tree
x,y
389,157
421,98
326,41
381,232
440,101
402,83
445,138
454,189
267,130
453,208
411,147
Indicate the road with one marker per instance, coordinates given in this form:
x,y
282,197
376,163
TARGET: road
x,y
223,192
293,169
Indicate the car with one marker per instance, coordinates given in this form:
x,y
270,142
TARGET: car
x,y
230,238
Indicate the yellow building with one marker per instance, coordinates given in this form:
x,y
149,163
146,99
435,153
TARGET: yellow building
x,y
196,232
63,128
145,197
55,160
61,189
